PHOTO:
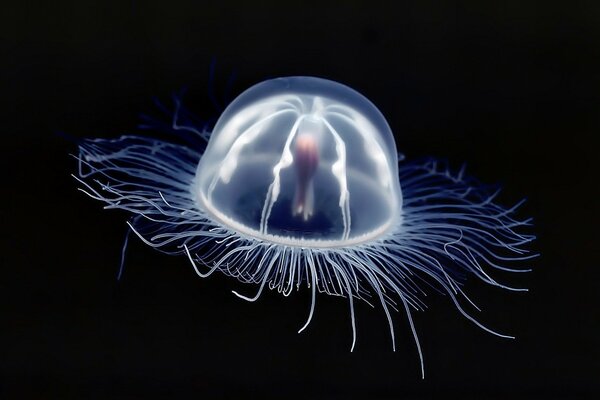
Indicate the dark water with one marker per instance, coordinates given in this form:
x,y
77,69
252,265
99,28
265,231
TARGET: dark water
x,y
510,88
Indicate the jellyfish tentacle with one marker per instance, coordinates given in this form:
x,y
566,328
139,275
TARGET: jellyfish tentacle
x,y
349,292
264,280
200,274
313,288
123,252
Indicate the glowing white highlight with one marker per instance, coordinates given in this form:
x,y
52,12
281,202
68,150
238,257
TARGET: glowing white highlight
x,y
339,171
285,161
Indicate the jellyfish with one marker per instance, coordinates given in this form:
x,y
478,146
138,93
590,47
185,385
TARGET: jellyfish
x,y
300,185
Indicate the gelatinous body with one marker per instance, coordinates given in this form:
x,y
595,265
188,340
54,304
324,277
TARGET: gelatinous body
x,y
299,184
303,162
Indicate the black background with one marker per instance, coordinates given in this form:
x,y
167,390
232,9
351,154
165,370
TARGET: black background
x,y
510,88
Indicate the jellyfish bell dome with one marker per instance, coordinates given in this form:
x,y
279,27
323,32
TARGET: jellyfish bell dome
x,y
301,161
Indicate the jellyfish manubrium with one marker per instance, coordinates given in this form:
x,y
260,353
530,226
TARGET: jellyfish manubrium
x,y
299,184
